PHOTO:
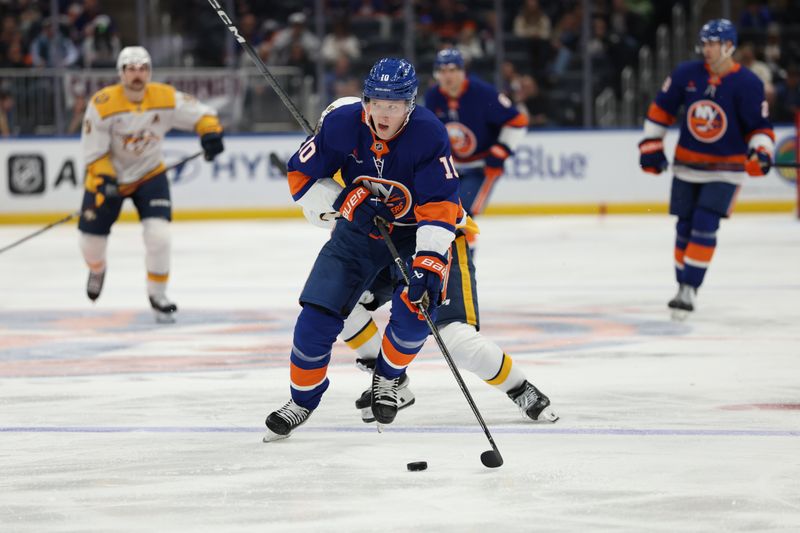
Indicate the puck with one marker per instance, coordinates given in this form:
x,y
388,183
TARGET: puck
x,y
417,466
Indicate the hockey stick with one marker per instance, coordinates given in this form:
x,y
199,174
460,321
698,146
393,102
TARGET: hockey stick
x,y
489,458
732,167
79,212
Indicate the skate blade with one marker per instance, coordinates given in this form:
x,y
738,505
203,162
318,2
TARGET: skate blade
x,y
164,318
547,416
380,427
271,436
679,315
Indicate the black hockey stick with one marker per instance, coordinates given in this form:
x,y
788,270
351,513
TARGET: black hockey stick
x,y
732,167
489,458
79,213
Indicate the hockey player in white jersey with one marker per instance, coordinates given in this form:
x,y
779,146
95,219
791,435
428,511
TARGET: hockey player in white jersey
x,y
122,136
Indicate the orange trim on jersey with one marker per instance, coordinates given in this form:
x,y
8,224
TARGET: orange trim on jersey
x,y
699,252
297,180
307,378
657,114
445,211
715,78
679,252
158,278
520,121
393,355
766,131
684,155
126,189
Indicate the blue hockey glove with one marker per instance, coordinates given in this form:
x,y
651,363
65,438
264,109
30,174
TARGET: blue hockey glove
x,y
758,162
651,156
360,207
498,154
428,271
212,145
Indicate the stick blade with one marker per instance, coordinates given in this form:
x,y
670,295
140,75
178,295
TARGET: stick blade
x,y
491,459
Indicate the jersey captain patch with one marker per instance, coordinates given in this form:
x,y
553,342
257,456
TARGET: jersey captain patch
x,y
462,140
706,121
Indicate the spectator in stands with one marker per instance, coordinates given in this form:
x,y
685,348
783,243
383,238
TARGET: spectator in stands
x,y
341,42
756,16
533,24
469,44
68,54
787,101
14,56
510,79
448,17
529,100
746,55
101,47
565,41
341,81
625,33
7,127
295,45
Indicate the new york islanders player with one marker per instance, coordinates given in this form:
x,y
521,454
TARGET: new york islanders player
x,y
123,130
725,136
395,162
483,125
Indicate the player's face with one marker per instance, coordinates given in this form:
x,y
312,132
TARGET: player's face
x,y
387,116
712,51
450,77
135,77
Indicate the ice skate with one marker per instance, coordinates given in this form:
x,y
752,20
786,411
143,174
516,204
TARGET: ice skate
x,y
405,398
683,303
282,422
94,286
384,398
163,309
533,403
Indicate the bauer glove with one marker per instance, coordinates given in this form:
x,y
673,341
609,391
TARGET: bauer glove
x,y
102,187
758,162
651,156
212,145
360,207
428,271
498,154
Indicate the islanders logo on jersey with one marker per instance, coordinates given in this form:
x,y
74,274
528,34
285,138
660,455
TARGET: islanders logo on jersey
x,y
707,121
785,153
395,195
462,140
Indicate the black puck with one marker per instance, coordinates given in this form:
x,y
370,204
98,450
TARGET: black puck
x,y
417,466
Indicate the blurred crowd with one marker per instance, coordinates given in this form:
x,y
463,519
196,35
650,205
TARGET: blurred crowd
x,y
542,39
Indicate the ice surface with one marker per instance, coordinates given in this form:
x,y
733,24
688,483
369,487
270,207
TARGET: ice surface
x,y
109,422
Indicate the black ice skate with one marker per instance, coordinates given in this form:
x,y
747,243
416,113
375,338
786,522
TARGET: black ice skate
x,y
384,398
533,403
163,309
405,398
683,303
280,423
94,286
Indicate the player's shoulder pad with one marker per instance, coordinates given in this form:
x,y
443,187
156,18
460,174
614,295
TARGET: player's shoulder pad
x,y
432,92
160,95
748,78
478,85
426,127
341,123
688,69
109,100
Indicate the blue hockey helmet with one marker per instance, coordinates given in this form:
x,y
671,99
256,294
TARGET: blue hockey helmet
x,y
718,30
392,79
448,56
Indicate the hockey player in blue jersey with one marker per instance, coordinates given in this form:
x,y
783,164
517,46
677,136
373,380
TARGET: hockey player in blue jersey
x,y
483,125
395,162
725,136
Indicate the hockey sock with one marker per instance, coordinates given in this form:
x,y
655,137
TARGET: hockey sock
x,y
403,338
93,248
702,243
683,230
156,233
361,334
473,352
314,334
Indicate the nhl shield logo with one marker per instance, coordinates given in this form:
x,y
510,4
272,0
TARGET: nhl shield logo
x,y
26,174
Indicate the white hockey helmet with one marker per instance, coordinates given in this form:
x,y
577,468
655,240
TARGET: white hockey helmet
x,y
133,55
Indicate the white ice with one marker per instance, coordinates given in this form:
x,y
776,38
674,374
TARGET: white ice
x,y
109,422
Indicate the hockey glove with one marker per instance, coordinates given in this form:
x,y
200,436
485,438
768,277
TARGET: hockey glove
x,y
102,186
651,156
498,154
758,162
358,206
212,145
428,271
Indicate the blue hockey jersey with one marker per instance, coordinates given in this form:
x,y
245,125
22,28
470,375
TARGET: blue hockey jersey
x,y
725,116
474,119
412,172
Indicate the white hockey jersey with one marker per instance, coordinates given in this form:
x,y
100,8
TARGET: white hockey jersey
x,y
124,139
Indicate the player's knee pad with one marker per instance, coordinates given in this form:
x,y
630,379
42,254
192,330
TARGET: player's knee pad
x,y
93,248
316,331
705,220
156,235
471,350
